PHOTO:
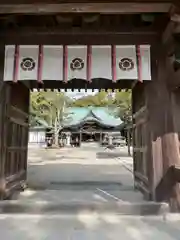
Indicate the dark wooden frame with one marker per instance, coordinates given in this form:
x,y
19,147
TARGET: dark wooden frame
x,y
154,110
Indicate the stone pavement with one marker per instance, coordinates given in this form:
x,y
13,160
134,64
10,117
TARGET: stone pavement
x,y
87,226
89,172
87,175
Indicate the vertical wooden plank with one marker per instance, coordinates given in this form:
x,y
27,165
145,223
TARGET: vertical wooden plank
x,y
26,129
113,62
65,63
89,62
4,101
40,64
139,63
16,64
129,142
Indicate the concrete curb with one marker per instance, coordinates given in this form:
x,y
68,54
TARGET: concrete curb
x,y
120,208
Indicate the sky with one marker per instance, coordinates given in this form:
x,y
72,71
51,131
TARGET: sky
x,y
76,94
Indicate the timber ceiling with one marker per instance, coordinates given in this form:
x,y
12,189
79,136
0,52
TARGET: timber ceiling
x,y
82,21
118,19
83,1
103,7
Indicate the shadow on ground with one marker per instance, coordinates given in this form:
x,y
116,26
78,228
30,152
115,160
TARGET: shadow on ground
x,y
112,154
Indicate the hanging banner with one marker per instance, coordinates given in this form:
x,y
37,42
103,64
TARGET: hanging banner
x,y
126,62
27,64
64,63
101,62
77,62
52,63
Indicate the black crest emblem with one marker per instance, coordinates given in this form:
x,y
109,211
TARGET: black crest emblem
x,y
28,64
77,64
126,64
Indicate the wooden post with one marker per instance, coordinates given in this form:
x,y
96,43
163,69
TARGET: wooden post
x,y
164,137
129,141
100,138
4,101
80,138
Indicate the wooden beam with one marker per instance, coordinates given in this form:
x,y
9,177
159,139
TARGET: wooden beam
x,y
123,30
57,37
104,8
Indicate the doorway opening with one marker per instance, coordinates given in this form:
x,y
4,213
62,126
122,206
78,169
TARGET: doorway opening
x,y
86,168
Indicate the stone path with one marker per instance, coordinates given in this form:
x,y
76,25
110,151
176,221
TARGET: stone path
x,y
86,226
84,175
89,172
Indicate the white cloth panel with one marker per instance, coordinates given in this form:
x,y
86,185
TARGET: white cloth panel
x,y
146,62
101,62
9,62
52,62
74,52
129,52
28,51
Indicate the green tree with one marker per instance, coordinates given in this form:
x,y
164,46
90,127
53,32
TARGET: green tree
x,y
122,105
39,107
51,107
58,113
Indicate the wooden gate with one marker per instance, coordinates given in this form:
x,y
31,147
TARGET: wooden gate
x,y
14,107
141,140
14,137
17,137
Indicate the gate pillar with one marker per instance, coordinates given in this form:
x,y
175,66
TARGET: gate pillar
x,y
156,131
163,138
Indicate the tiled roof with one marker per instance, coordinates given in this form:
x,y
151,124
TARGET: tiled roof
x,y
99,114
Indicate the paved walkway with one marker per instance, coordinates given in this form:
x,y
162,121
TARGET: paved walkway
x,y
87,174
85,226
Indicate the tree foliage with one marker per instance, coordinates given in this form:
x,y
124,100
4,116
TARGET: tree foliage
x,y
118,102
122,105
49,106
52,106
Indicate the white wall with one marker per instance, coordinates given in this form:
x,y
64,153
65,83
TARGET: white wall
x,y
37,137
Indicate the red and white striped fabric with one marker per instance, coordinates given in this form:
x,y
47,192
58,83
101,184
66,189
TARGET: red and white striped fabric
x,y
63,63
